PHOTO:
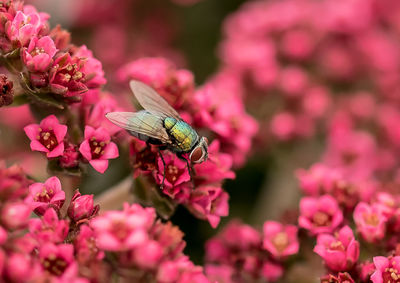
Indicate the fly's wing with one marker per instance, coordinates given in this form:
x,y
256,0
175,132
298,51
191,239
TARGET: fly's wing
x,y
152,101
142,122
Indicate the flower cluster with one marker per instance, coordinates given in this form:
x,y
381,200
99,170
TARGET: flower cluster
x,y
77,245
239,253
305,64
206,108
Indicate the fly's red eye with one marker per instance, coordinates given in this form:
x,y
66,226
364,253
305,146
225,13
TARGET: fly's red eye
x,y
196,154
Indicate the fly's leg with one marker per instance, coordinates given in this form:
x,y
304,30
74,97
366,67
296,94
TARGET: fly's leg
x,y
163,161
192,173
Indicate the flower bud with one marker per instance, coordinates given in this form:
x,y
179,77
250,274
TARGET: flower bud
x,y
81,207
6,91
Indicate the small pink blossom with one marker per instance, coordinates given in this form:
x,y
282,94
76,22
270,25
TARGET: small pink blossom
x,y
23,27
209,202
217,168
320,215
92,68
66,76
387,269
123,230
49,228
70,156
176,172
58,260
340,251
181,270
272,271
97,148
48,136
81,207
13,182
21,266
44,195
370,221
219,273
39,54
15,215
280,240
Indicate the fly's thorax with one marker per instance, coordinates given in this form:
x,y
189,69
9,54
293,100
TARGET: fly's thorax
x,y
183,135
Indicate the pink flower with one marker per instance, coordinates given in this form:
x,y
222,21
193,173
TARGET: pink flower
x,y
176,171
81,207
366,270
49,228
217,168
23,27
181,270
219,273
123,230
44,195
272,271
58,260
387,269
320,215
48,136
148,255
39,54
339,252
318,179
280,240
370,221
95,117
209,203
97,148
66,76
92,68
19,267
15,215
70,156
85,245
13,183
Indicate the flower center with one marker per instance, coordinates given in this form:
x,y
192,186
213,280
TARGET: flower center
x,y
45,195
337,246
47,138
172,173
119,230
97,148
321,219
54,264
37,51
391,275
281,241
371,219
145,160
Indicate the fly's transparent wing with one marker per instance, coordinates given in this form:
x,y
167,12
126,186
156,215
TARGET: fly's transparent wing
x,y
152,101
142,122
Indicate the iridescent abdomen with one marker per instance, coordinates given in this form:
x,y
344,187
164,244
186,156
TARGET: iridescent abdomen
x,y
183,134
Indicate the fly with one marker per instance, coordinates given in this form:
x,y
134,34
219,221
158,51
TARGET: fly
x,y
160,124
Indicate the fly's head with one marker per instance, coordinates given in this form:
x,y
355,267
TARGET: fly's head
x,y
199,154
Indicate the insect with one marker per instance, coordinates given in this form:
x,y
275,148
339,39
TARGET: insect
x,y
160,124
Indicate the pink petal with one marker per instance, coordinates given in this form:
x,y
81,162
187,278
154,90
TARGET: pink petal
x,y
36,145
57,151
85,150
41,62
89,132
60,131
271,228
32,131
99,165
53,183
111,151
